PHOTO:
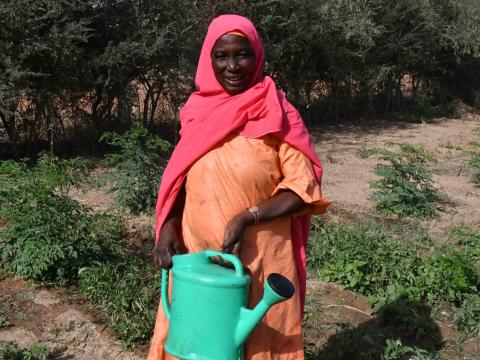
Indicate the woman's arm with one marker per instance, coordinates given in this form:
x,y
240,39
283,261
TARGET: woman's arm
x,y
169,239
282,204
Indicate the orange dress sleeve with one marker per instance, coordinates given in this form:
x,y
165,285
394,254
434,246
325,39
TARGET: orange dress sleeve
x,y
299,177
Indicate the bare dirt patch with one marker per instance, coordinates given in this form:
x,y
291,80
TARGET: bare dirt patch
x,y
46,317
339,326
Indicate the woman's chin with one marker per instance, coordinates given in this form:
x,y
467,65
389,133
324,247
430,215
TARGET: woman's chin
x,y
234,90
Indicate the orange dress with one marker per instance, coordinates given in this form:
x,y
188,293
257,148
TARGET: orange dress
x,y
235,175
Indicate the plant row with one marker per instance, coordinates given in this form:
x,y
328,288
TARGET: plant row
x,y
401,272
47,236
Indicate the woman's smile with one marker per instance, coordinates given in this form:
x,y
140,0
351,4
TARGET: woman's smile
x,y
235,81
234,63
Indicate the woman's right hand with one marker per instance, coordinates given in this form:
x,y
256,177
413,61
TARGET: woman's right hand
x,y
168,245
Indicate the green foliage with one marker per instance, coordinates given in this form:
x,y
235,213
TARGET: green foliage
x,y
50,175
469,240
448,275
467,315
423,108
4,322
129,292
47,235
41,57
11,351
334,58
137,167
405,187
474,163
363,152
385,263
367,257
394,350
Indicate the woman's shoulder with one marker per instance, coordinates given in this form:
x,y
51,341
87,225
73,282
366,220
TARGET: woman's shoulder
x,y
269,140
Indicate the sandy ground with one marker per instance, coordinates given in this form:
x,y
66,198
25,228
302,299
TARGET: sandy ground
x,y
48,317
347,175
72,331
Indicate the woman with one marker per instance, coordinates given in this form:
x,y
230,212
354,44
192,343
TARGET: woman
x,y
244,179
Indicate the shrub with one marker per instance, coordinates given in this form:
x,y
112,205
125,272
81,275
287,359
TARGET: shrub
x,y
129,292
137,167
405,187
474,163
47,235
422,107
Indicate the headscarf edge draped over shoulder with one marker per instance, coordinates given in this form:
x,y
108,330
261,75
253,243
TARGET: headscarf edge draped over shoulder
x,y
211,114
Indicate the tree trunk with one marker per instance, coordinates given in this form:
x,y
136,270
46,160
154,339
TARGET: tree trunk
x,y
10,126
65,140
153,109
51,124
146,106
45,111
124,107
95,107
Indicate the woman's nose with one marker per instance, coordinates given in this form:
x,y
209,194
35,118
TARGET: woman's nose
x,y
232,64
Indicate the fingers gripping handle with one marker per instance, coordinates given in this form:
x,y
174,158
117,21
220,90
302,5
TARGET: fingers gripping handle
x,y
237,264
164,289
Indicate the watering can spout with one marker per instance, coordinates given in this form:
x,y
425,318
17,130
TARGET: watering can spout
x,y
277,289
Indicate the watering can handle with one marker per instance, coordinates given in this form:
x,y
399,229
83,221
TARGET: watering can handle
x,y
237,264
164,290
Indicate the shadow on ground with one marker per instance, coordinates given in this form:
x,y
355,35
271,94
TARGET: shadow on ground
x,y
347,330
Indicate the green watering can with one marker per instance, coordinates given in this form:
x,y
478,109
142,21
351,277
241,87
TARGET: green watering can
x,y
208,317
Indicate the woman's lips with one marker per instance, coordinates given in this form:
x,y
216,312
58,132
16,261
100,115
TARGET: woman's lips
x,y
234,81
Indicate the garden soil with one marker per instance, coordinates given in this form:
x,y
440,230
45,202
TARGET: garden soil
x,y
336,320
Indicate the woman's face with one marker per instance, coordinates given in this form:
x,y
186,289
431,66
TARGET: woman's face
x,y
234,63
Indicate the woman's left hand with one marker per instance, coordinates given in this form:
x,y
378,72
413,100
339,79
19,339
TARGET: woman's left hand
x,y
233,234
284,203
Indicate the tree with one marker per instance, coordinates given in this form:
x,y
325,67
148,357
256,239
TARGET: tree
x,y
41,53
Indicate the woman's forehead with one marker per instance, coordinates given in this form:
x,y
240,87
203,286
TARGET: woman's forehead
x,y
231,41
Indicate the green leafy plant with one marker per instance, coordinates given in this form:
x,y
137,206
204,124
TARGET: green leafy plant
x,y
395,350
474,163
405,187
384,263
422,107
363,152
47,235
366,257
467,315
129,292
11,351
469,240
4,322
137,169
448,275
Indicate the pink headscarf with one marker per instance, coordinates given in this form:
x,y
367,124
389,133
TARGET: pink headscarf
x,y
211,114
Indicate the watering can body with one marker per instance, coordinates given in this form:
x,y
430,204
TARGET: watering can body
x,y
208,318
